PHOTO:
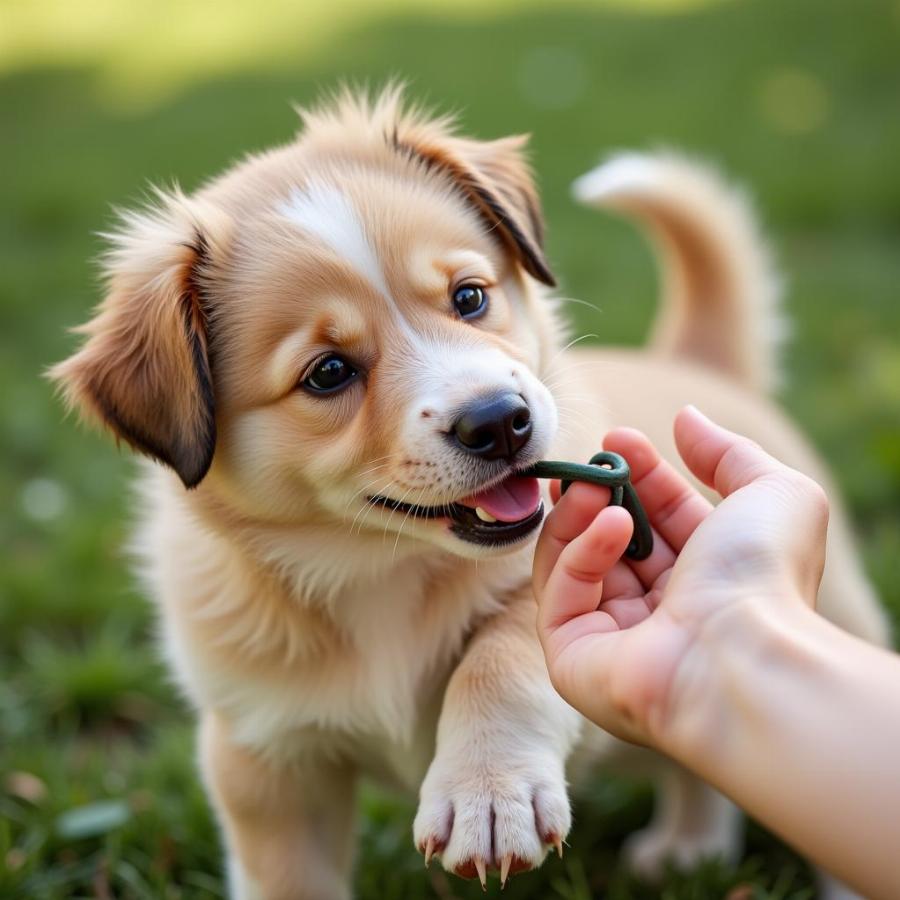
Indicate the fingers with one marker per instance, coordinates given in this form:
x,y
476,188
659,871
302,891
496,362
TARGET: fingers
x,y
728,462
574,586
568,520
784,514
661,559
555,490
672,504
720,458
622,581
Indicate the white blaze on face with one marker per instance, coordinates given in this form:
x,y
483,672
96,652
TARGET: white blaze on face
x,y
322,210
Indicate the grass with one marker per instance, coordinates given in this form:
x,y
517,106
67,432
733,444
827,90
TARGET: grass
x,y
98,794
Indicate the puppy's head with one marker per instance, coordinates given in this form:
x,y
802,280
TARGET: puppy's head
x,y
348,330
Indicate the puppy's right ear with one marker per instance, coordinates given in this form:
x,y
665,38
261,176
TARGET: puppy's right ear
x,y
144,370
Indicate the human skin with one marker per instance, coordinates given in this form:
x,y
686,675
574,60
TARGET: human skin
x,y
710,651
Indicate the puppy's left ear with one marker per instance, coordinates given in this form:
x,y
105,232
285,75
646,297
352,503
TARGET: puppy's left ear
x,y
495,178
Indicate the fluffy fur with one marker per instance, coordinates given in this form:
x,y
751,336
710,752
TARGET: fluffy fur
x,y
323,638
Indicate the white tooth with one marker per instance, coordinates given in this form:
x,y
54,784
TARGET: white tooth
x,y
484,516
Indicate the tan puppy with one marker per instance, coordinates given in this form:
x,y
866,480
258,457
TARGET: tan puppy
x,y
341,351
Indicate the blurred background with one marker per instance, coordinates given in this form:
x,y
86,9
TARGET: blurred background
x,y
799,100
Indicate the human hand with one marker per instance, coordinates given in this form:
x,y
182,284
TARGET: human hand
x,y
634,645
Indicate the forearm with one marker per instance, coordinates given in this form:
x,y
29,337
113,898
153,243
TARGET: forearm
x,y
502,684
495,792
804,734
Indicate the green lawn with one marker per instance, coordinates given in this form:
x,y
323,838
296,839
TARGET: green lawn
x,y
799,99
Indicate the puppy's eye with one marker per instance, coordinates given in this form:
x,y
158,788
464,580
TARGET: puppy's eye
x,y
470,301
329,374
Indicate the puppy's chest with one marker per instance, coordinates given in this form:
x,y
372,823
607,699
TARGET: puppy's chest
x,y
370,689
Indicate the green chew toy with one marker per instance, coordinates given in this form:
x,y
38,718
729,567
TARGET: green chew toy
x,y
608,470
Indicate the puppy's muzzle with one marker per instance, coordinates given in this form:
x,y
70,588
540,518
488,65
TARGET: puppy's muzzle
x,y
496,427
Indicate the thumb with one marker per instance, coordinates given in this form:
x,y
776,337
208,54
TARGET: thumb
x,y
720,458
785,508
727,461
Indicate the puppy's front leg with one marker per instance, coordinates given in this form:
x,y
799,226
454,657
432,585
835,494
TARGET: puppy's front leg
x,y
495,794
288,828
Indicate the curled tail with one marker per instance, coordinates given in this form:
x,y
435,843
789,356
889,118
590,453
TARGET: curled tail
x,y
721,303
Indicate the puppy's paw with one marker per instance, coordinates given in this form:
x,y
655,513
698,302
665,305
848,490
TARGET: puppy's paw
x,y
502,815
647,852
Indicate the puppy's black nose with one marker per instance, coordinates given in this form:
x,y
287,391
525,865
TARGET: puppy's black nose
x,y
497,427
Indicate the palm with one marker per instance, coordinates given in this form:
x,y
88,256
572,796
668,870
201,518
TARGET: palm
x,y
629,595
627,599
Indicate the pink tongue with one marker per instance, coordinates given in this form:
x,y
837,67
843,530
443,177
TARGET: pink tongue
x,y
513,499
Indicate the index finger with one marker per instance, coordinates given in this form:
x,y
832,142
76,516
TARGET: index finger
x,y
569,518
674,507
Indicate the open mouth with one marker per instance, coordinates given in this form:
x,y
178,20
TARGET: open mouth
x,y
500,514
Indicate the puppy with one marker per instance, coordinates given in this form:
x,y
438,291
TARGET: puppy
x,y
337,356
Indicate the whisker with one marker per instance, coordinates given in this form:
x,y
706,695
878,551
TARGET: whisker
x,y
357,493
364,512
391,513
570,392
399,532
573,428
368,506
580,302
571,416
572,343
576,410
373,468
580,405
572,366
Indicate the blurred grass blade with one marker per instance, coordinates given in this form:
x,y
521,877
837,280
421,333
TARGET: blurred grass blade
x,y
93,819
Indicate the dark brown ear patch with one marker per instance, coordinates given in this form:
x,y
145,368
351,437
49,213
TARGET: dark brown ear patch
x,y
144,370
498,185
177,430
528,249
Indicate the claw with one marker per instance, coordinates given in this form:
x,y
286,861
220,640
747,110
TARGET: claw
x,y
429,850
481,869
505,863
558,844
